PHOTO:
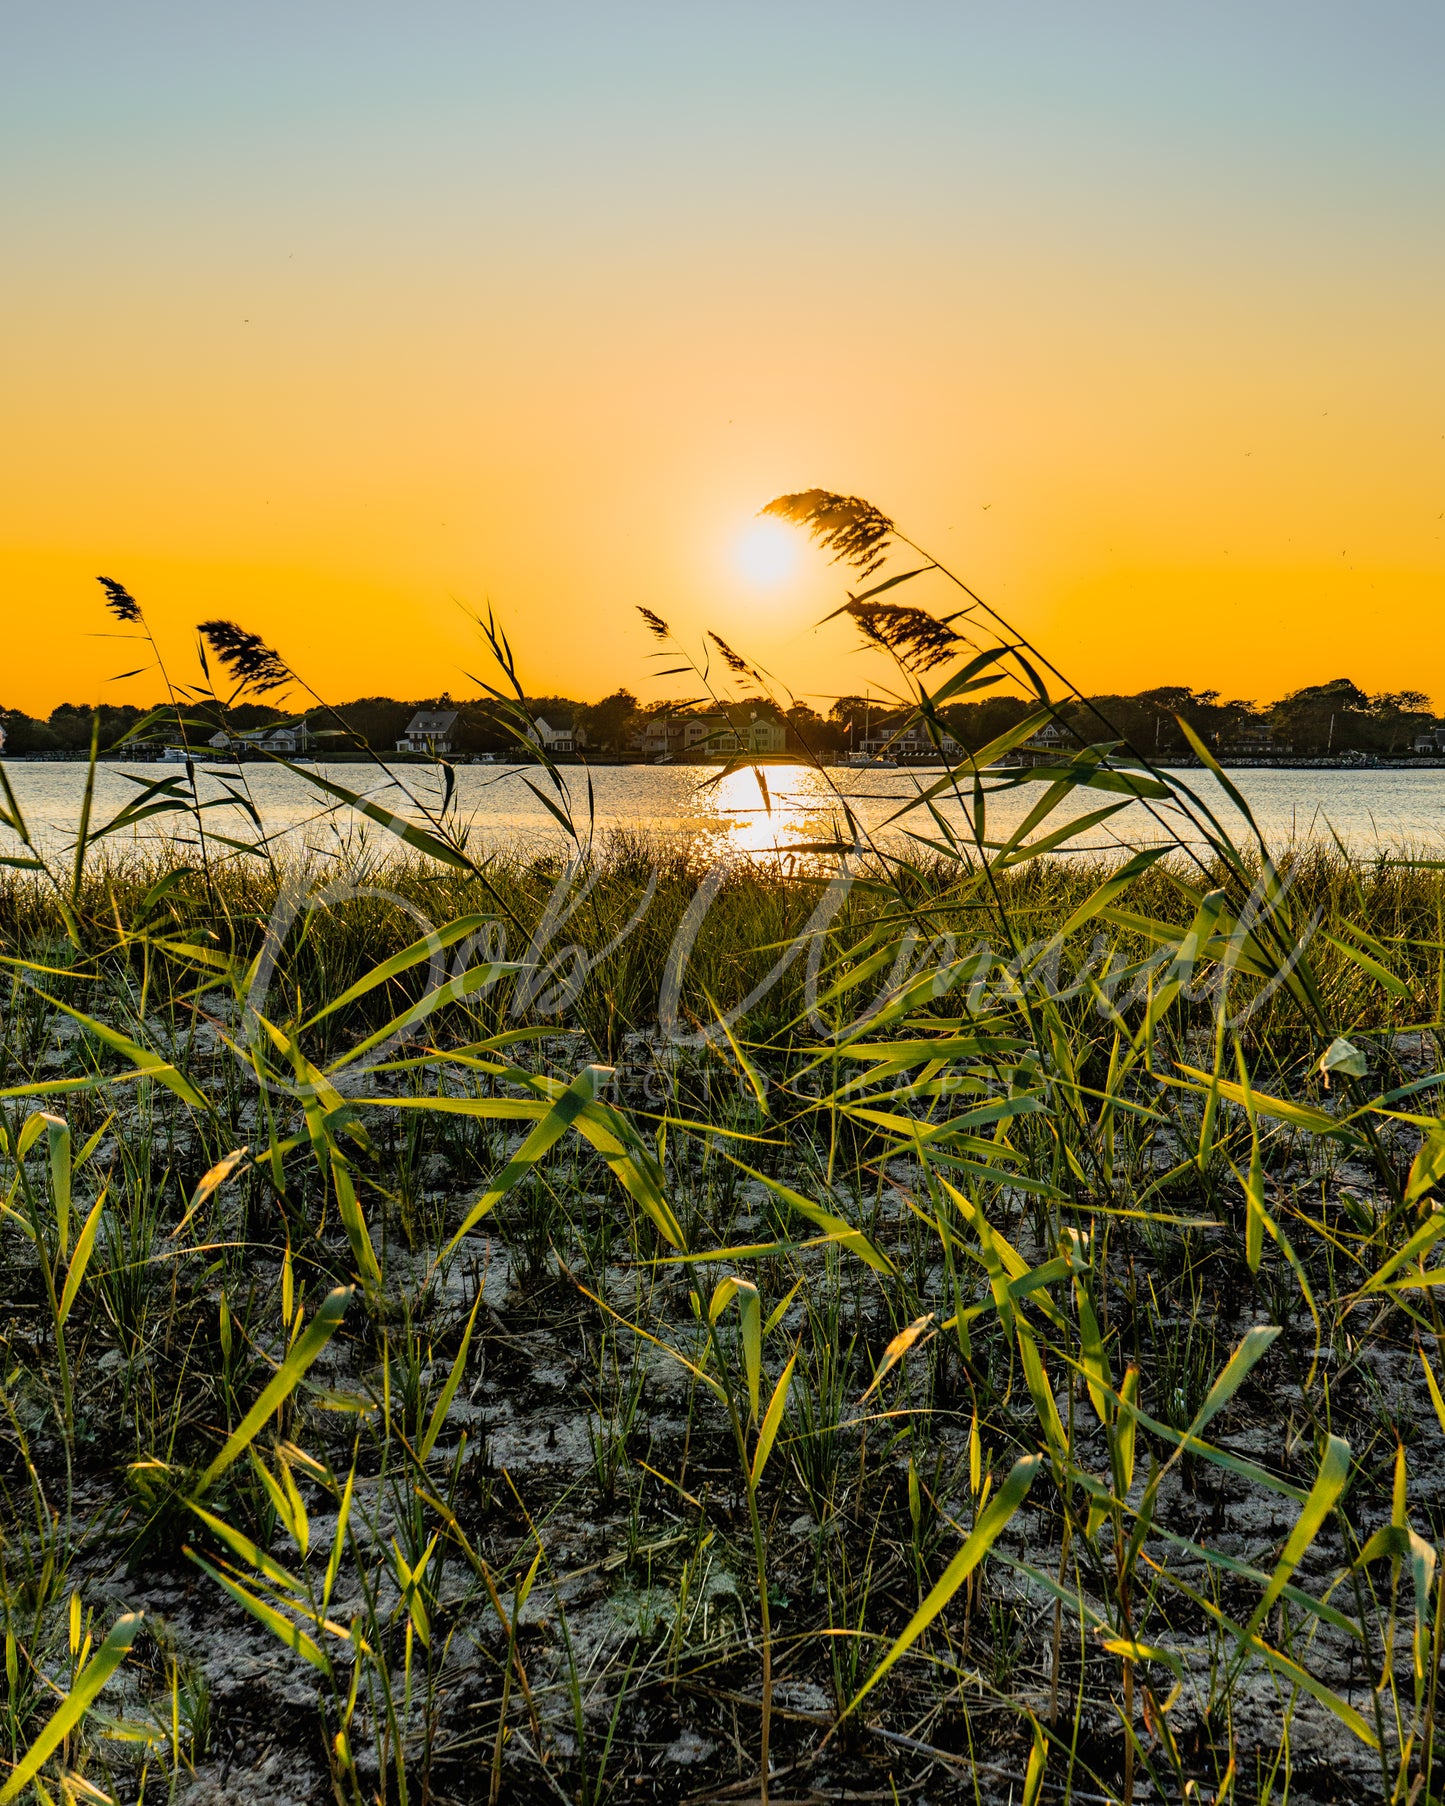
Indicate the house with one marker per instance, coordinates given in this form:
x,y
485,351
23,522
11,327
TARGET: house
x,y
658,737
1430,741
429,731
1052,737
896,737
1252,740
706,734
283,739
556,732
724,732
766,734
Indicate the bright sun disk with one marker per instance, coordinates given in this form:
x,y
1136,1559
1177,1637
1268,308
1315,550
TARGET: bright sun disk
x,y
766,552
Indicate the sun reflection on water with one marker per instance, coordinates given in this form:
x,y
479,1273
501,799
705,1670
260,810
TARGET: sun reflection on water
x,y
791,813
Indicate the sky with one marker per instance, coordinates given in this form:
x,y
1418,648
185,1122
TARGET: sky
x,y
349,321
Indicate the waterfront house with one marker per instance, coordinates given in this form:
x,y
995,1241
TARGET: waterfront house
x,y
429,731
657,737
765,734
282,739
557,732
1052,737
704,734
898,737
1252,740
728,732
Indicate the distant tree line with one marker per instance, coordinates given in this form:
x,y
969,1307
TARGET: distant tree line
x,y
1337,716
1321,718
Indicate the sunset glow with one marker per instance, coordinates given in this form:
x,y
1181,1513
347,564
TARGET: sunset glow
x,y
767,553
332,322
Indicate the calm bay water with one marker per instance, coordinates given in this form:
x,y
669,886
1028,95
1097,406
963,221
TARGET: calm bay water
x,y
719,816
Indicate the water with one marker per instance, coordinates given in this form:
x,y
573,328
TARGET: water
x,y
719,816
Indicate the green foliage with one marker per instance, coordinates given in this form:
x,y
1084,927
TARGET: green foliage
x,y
1017,1313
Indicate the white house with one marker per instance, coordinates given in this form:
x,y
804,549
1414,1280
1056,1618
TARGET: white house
x,y
661,735
1051,737
283,739
556,732
911,742
429,731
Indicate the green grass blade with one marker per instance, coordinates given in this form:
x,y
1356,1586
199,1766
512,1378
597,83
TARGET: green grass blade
x,y
559,1117
449,1391
248,1551
353,1221
772,1418
847,1236
1255,1345
57,1139
991,1523
80,1260
1324,1495
426,948
430,844
148,1064
75,1705
283,1382
290,1633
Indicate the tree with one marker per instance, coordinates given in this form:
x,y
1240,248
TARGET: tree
x,y
605,723
975,724
377,721
1398,716
24,734
852,716
808,729
1324,718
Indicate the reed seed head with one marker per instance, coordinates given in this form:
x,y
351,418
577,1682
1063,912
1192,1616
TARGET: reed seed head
x,y
121,603
917,639
854,531
255,665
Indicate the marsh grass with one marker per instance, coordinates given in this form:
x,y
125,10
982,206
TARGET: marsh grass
x,y
1002,1360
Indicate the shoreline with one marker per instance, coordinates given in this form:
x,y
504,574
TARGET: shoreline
x,y
1324,762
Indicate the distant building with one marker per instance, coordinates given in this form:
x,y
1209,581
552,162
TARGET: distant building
x,y
896,737
283,739
657,737
766,734
1252,740
429,731
557,732
1052,737
722,732
710,733
1430,741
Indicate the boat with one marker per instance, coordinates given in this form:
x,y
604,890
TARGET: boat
x,y
866,761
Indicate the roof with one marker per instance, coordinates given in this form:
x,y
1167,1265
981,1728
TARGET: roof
x,y
258,736
556,718
433,721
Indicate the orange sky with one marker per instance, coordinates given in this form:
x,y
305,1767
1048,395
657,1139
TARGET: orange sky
x,y
1136,322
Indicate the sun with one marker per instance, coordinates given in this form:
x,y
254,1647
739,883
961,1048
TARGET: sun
x,y
766,553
